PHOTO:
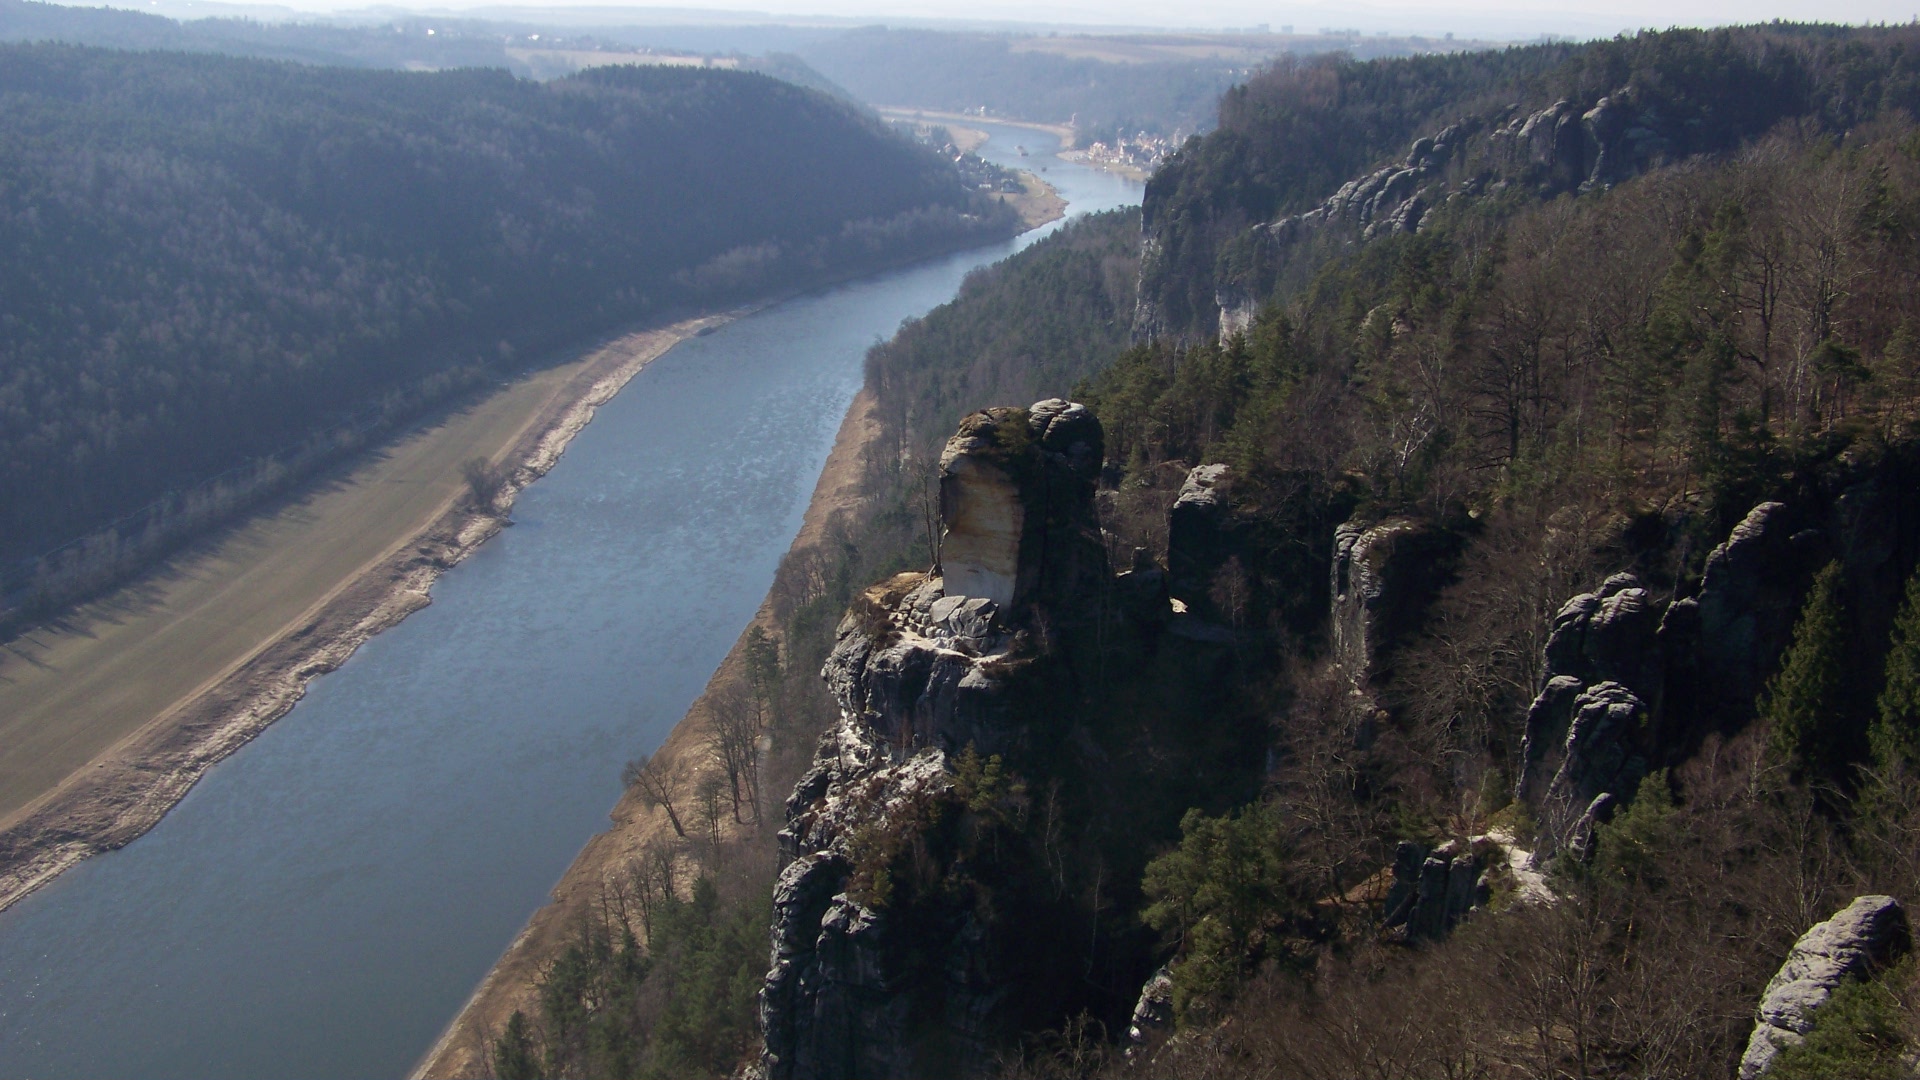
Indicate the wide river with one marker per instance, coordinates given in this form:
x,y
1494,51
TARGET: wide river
x,y
323,902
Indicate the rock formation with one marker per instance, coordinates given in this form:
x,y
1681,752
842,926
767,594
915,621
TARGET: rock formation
x,y
1200,538
1383,577
1153,1013
1566,146
1749,599
913,906
1587,735
1226,560
1860,938
1016,490
1434,889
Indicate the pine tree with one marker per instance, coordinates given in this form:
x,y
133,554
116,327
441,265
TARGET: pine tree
x,y
1802,701
1895,735
513,1054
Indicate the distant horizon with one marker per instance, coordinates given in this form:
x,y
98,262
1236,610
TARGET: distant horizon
x,y
1501,21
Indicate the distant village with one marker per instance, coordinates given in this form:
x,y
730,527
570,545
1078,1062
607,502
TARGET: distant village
x,y
1139,152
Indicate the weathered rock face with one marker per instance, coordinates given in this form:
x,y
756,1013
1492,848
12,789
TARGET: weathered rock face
x,y
1588,735
1016,504
1863,936
858,987
1384,577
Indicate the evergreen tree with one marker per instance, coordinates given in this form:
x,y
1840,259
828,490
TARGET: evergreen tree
x,y
1895,735
513,1053
1801,702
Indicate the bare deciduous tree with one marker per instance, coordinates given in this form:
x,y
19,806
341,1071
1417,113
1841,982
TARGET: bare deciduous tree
x,y
659,783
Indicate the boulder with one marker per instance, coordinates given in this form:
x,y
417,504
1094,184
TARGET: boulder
x,y
1861,937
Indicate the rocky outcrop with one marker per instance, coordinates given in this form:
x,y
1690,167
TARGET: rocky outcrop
x,y
1587,743
1204,542
1383,578
1609,635
1229,561
876,977
1565,146
1016,504
1860,938
1153,1013
1434,889
1750,597
1392,199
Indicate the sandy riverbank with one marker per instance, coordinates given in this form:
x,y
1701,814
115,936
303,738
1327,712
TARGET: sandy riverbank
x,y
108,717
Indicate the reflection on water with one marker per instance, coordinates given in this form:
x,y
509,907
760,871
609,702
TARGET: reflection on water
x,y
323,902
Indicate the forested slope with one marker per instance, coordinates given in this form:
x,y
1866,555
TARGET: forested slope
x,y
219,264
1546,516
1291,137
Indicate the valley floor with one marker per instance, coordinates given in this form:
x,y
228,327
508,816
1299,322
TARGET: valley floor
x,y
108,716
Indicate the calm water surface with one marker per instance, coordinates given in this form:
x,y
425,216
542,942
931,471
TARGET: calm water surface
x,y
322,902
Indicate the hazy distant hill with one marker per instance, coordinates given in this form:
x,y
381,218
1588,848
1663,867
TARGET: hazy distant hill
x,y
211,260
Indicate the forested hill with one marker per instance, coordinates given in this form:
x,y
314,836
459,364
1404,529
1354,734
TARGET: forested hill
x,y
213,261
1228,214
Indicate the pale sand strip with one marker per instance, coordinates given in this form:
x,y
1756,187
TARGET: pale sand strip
x,y
108,719
462,1049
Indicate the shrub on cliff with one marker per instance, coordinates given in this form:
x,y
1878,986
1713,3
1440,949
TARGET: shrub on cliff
x,y
1219,896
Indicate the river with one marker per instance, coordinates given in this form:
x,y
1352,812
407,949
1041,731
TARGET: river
x,y
323,902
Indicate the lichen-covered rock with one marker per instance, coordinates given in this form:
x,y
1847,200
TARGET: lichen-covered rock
x,y
1861,937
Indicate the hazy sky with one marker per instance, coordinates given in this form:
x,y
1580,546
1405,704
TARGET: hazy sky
x,y
1503,19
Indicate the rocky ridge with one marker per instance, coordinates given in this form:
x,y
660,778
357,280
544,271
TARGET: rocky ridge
x,y
1568,146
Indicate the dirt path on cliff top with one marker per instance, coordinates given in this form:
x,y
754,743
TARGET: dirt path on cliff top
x,y
109,716
462,1050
